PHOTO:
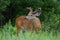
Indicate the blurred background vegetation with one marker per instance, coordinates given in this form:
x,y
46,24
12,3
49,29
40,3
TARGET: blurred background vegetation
x,y
50,13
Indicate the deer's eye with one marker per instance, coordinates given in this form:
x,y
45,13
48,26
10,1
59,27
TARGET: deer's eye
x,y
31,15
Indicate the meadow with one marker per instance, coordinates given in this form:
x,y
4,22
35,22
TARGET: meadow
x,y
50,19
9,33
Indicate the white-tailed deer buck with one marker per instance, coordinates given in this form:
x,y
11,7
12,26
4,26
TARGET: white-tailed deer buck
x,y
29,22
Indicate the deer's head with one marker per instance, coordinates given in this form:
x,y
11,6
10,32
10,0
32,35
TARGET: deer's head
x,y
33,14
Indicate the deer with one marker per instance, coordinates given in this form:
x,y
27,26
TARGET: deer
x,y
29,22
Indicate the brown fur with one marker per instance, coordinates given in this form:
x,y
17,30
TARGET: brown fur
x,y
31,24
22,23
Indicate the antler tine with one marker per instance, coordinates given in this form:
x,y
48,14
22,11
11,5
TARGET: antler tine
x,y
30,10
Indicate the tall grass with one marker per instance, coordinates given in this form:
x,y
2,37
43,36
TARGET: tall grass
x,y
9,33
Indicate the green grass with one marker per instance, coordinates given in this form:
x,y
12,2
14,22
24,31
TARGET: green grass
x,y
9,33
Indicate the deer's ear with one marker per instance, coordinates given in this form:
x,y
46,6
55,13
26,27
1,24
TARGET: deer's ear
x,y
39,9
29,8
37,12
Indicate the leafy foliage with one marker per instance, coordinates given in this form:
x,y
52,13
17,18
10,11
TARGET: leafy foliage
x,y
3,4
50,16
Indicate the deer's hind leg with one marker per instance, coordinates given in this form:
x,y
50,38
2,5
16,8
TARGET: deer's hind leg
x,y
18,28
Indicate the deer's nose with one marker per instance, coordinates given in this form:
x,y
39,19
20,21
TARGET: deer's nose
x,y
26,17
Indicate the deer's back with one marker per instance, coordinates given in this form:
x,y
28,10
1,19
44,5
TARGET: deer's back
x,y
22,22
